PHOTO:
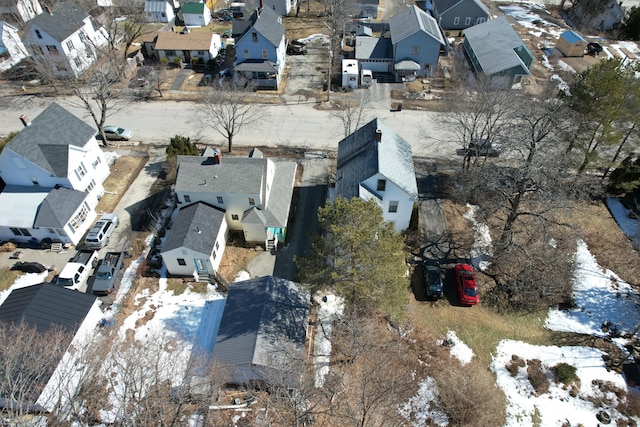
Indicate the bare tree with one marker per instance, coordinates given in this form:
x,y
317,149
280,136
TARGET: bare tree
x,y
337,13
352,113
124,23
227,108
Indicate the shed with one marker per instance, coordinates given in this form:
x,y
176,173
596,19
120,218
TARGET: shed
x,y
349,73
571,43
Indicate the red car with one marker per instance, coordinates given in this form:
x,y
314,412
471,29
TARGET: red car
x,y
466,284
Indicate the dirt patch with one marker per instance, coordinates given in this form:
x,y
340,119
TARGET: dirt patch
x,y
234,260
123,171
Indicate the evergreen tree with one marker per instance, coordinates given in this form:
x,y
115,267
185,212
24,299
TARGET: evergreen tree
x,y
182,145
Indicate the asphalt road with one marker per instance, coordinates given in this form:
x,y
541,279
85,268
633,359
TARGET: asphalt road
x,y
291,124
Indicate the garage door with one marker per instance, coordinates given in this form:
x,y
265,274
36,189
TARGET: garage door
x,y
376,66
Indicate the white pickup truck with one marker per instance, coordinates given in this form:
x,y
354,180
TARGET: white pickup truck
x,y
76,272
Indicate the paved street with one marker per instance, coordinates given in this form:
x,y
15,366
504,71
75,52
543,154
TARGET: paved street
x,y
291,124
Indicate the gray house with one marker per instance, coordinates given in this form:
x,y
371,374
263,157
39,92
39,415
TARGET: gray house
x,y
374,53
459,14
376,163
417,40
263,330
495,49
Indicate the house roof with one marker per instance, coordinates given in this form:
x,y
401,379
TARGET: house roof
x,y
58,207
266,22
19,205
47,305
277,212
64,20
46,141
193,40
443,6
196,228
257,65
361,157
373,48
193,8
494,43
407,65
363,30
157,5
572,37
413,20
264,325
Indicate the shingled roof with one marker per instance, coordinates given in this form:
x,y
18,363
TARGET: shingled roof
x,y
413,20
195,227
65,19
46,141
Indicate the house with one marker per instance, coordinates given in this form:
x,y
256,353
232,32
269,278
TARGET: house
x,y
189,46
416,40
495,49
12,50
366,8
160,10
263,331
251,195
597,15
571,43
65,39
53,176
196,14
280,7
376,163
17,11
261,49
45,307
459,14
374,53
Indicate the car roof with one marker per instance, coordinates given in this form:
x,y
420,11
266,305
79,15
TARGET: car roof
x,y
111,128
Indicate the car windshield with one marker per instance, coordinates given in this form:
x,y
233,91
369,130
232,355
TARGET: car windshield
x,y
472,292
434,278
105,275
120,130
64,282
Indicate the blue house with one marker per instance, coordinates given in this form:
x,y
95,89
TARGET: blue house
x,y
261,49
416,40
459,14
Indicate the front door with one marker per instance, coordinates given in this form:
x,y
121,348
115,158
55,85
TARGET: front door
x,y
201,266
187,56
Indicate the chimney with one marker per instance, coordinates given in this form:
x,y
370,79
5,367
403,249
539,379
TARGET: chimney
x,y
217,157
378,135
25,120
261,4
48,9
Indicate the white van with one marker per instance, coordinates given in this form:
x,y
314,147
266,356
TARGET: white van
x,y
101,231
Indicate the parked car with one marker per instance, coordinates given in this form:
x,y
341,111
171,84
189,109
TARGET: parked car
x,y
483,147
296,47
101,231
116,133
433,279
466,284
29,267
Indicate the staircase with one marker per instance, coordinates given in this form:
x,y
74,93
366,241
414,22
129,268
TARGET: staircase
x,y
271,244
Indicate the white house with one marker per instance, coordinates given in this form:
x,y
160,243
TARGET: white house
x,y
196,14
17,11
376,163
261,48
281,7
12,50
160,10
251,195
46,306
53,170
64,38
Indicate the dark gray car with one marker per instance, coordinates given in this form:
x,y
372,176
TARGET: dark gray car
x,y
433,279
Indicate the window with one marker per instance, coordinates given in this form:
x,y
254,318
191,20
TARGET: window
x,y
96,162
70,45
52,49
246,54
265,54
170,53
217,245
51,230
220,200
79,219
181,261
467,21
393,206
77,61
187,198
480,20
80,172
34,180
382,184
38,34
83,38
252,201
214,255
61,68
415,50
201,52
234,217
254,37
90,187
37,49
164,15
456,20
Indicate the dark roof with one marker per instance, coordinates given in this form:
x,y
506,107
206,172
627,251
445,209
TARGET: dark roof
x,y
360,157
257,65
57,208
264,319
65,19
195,227
443,6
46,141
373,48
413,20
46,305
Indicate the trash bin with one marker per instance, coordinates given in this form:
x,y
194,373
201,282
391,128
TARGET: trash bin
x,y
399,106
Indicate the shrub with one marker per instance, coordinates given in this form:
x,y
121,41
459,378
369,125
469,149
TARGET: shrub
x,y
177,60
182,145
537,377
164,60
565,373
8,247
515,363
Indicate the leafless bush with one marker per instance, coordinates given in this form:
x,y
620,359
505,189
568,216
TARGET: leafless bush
x,y
537,377
515,363
469,395
8,247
